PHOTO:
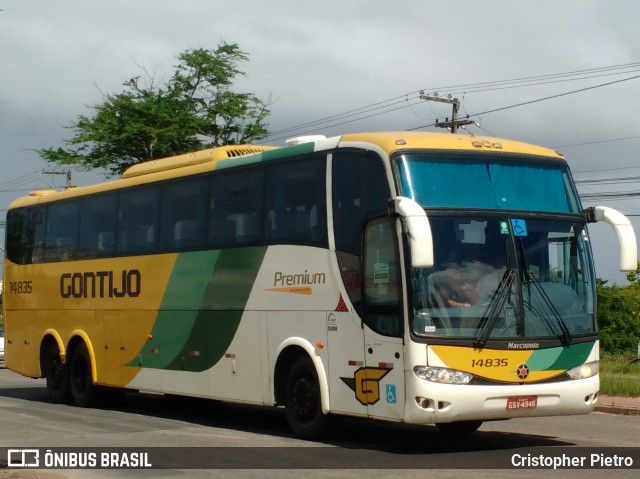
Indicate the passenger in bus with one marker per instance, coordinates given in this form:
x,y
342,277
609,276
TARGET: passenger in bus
x,y
463,285
452,288
488,284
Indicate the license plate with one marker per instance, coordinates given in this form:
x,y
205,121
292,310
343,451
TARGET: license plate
x,y
523,402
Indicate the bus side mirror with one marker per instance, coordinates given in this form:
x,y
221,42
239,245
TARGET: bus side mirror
x,y
624,232
418,230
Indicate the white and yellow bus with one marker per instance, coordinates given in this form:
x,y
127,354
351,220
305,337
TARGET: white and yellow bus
x,y
404,276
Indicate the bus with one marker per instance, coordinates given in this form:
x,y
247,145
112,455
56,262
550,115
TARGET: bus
x,y
414,277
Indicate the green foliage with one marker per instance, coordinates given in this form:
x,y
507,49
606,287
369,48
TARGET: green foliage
x,y
619,317
619,375
195,109
634,276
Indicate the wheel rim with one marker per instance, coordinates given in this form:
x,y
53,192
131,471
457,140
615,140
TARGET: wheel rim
x,y
305,400
80,376
56,374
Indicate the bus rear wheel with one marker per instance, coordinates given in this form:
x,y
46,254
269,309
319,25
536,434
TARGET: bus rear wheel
x,y
303,404
83,391
57,376
459,427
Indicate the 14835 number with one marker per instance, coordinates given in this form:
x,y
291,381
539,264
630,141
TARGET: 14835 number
x,y
489,363
20,287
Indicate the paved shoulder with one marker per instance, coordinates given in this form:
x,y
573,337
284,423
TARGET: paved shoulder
x,y
618,405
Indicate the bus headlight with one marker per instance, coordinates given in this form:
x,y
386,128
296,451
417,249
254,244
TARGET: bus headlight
x,y
442,375
584,370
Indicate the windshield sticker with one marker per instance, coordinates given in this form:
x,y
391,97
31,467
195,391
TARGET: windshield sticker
x,y
391,394
519,227
381,273
504,228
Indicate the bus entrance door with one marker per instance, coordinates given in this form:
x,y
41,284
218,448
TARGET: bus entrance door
x,y
382,313
383,379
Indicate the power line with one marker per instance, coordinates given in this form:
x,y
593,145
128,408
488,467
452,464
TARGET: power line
x,y
606,169
410,99
557,96
532,80
580,90
20,180
626,195
495,85
597,142
608,181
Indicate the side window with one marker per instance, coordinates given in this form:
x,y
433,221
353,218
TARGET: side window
x,y
382,278
183,214
98,223
138,229
360,192
25,234
236,207
61,238
36,231
296,205
17,242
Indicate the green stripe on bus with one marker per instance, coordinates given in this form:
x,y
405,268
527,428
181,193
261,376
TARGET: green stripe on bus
x,y
266,156
179,309
202,309
233,278
301,149
572,356
222,308
562,358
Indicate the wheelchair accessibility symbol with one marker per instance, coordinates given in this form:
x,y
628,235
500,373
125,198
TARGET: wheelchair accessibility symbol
x,y
391,393
519,227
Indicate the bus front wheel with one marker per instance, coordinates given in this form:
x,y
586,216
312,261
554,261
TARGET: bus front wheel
x,y
83,390
303,404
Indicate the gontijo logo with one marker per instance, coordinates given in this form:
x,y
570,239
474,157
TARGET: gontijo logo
x,y
366,384
101,284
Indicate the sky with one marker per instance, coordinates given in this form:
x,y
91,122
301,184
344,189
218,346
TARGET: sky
x,y
317,60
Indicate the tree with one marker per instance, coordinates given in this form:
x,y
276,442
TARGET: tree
x,y
634,276
619,316
195,109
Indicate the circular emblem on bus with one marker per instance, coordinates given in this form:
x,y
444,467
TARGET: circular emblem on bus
x,y
522,371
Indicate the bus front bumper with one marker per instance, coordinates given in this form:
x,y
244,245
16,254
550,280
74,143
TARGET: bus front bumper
x,y
432,403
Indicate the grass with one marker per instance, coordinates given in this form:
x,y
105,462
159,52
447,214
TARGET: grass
x,y
619,375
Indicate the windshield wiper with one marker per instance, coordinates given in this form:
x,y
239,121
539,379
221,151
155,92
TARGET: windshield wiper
x,y
530,278
490,318
566,334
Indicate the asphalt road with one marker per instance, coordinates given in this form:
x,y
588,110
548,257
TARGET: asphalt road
x,y
229,441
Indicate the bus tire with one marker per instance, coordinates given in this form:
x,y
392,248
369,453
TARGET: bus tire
x,y
303,405
56,374
83,391
459,427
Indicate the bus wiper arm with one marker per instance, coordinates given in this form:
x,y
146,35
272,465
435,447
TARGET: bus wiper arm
x,y
490,319
566,334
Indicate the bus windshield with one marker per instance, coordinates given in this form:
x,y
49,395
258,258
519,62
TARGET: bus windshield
x,y
505,278
486,182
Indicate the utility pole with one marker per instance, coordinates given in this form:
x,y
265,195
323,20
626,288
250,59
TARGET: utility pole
x,y
66,173
455,122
